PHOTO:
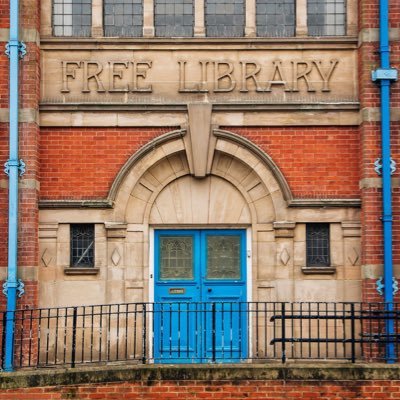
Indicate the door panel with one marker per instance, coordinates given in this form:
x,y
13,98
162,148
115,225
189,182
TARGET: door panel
x,y
200,291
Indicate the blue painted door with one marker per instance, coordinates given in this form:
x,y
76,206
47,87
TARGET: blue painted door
x,y
200,294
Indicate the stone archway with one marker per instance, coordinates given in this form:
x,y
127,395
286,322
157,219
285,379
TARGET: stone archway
x,y
157,188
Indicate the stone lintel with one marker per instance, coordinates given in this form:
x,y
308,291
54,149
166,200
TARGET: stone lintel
x,y
116,229
284,229
373,114
27,115
372,35
351,228
25,273
48,230
376,183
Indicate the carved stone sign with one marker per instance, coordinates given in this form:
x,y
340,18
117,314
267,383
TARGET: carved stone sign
x,y
182,76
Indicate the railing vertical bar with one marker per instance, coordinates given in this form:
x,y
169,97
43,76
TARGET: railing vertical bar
x,y
30,337
318,331
126,330
100,331
301,328
83,333
65,335
309,329
231,329
144,334
283,331
257,328
47,336
187,329
56,336
117,349
39,336
135,330
353,334
74,321
91,334
179,329
108,314
22,313
213,332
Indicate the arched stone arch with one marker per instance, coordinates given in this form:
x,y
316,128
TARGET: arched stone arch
x,y
238,165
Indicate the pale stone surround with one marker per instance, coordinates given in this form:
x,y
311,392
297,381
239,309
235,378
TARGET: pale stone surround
x,y
155,189
199,21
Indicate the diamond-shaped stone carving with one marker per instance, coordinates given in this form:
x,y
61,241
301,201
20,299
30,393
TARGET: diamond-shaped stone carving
x,y
285,256
354,256
115,257
46,258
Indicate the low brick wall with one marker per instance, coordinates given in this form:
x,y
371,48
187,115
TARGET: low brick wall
x,y
289,382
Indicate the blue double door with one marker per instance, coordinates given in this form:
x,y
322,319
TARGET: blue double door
x,y
200,296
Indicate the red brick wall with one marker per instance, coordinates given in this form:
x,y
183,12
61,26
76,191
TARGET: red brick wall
x,y
81,163
316,161
188,390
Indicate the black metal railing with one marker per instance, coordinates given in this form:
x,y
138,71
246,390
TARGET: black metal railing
x,y
203,332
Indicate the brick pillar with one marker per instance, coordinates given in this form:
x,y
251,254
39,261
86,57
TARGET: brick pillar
x,y
371,183
29,85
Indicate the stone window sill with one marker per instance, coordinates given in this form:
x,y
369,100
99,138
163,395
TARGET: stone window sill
x,y
318,270
81,271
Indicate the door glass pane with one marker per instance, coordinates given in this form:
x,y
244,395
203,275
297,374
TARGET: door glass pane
x,y
176,257
223,257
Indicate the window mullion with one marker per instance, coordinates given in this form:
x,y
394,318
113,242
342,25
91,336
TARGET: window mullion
x,y
250,28
301,18
97,18
148,18
199,22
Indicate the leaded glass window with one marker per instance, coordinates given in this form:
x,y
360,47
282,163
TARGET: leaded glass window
x,y
72,17
176,257
225,18
82,245
326,17
223,257
275,18
318,249
123,18
173,18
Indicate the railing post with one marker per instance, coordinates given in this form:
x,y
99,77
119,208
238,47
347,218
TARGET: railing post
x,y
353,333
74,322
144,334
283,310
213,332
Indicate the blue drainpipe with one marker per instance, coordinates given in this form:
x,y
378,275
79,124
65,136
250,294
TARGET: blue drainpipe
x,y
385,75
14,166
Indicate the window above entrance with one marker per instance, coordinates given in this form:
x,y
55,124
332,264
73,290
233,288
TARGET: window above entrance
x,y
200,18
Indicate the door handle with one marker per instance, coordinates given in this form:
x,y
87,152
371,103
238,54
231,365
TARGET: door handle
x,y
209,290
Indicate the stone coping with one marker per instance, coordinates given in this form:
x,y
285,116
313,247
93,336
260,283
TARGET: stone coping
x,y
234,372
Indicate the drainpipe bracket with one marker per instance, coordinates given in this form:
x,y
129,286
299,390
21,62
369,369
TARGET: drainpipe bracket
x,y
15,163
19,285
380,74
378,166
20,45
380,285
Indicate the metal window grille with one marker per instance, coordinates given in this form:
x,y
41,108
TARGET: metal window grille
x,y
123,18
275,18
173,18
225,18
318,249
326,17
82,245
72,17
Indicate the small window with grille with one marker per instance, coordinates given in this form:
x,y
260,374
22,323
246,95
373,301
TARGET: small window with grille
x,y
72,17
326,17
82,245
317,243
